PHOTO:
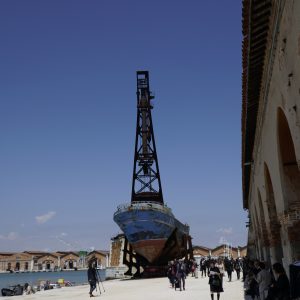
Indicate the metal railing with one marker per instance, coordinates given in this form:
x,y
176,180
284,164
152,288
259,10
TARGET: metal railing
x,y
143,206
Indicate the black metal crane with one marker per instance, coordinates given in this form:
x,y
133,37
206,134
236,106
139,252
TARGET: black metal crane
x,y
146,184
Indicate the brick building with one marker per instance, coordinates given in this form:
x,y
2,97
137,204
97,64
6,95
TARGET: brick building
x,y
101,258
44,261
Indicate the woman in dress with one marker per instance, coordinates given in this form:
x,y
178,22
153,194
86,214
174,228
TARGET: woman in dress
x,y
215,281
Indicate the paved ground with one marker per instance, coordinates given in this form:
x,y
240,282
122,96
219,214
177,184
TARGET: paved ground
x,y
154,289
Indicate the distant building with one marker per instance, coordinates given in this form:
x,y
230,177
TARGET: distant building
x,y
101,258
116,251
271,129
44,261
220,251
16,262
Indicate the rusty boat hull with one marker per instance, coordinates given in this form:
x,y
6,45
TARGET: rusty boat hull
x,y
153,231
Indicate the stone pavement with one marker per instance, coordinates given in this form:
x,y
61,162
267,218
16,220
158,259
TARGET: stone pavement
x,y
144,289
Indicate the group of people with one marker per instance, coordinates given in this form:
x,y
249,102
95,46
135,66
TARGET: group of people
x,y
216,269
177,272
226,265
264,283
260,282
179,269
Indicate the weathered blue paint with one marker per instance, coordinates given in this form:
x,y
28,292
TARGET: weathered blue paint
x,y
145,221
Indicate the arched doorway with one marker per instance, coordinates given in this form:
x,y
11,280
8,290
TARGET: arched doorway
x,y
17,268
26,266
264,231
8,267
48,265
275,235
71,264
290,178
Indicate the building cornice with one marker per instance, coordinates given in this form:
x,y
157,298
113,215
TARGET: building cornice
x,y
260,29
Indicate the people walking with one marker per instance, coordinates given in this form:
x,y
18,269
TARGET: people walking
x,y
215,281
92,278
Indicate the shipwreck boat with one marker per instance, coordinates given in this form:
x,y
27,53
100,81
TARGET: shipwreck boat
x,y
149,226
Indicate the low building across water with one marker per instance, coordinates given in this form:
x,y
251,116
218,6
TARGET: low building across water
x,y
54,261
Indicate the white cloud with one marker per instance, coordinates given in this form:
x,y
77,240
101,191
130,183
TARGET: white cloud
x,y
11,236
45,218
64,242
63,234
225,230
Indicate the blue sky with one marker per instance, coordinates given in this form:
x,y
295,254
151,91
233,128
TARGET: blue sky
x,y
68,107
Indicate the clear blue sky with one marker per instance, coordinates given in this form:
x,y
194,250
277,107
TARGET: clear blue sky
x,y
68,113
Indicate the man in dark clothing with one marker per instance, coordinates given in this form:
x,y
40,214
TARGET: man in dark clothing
x,y
203,267
280,289
228,267
181,274
92,278
237,267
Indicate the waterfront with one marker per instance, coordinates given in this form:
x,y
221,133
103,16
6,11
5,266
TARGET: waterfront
x,y
157,288
78,277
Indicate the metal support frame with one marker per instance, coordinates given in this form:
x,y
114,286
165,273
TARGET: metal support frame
x,y
146,184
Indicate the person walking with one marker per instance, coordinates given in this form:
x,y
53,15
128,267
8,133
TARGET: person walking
x,y
237,267
229,268
181,275
263,279
92,278
203,266
220,266
215,281
196,270
172,273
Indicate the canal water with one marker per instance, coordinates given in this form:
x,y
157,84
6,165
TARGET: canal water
x,y
76,277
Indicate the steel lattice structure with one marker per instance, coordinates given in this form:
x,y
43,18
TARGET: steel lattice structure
x,y
146,183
